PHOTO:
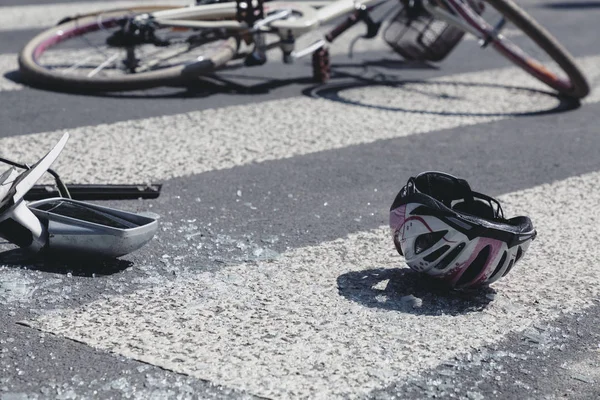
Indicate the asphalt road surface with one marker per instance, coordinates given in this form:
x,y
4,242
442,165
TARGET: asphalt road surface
x,y
273,274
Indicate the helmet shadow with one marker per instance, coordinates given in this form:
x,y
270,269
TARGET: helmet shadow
x,y
404,290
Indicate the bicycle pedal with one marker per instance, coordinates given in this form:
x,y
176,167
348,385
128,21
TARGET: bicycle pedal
x,y
321,65
255,59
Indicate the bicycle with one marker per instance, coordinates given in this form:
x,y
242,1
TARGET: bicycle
x,y
143,47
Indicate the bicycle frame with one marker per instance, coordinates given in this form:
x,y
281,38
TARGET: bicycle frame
x,y
311,15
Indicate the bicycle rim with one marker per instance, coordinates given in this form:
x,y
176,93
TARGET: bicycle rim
x,y
552,63
76,55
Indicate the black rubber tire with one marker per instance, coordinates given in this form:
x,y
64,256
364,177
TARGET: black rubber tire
x,y
580,87
35,74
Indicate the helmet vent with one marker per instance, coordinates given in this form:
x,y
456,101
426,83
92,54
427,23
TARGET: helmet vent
x,y
450,256
436,254
426,240
519,254
510,265
499,266
476,267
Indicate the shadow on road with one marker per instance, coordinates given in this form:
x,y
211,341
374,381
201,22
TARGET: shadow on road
x,y
202,87
77,266
335,92
233,79
393,289
236,80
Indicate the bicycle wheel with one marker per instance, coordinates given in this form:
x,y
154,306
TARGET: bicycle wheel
x,y
555,66
90,53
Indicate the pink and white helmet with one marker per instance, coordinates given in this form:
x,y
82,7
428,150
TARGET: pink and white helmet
x,y
446,230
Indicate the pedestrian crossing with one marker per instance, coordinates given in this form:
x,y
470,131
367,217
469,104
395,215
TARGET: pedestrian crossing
x,y
362,115
273,273
281,329
8,63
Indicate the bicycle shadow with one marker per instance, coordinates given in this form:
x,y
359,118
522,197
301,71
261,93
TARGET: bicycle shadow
x,y
226,80
404,290
165,92
52,263
334,91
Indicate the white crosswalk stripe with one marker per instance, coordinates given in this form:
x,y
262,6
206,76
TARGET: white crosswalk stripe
x,y
281,329
8,63
153,149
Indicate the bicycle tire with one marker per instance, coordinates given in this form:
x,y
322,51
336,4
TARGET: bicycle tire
x,y
576,86
35,74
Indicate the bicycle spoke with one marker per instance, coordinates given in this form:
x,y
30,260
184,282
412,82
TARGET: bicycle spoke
x,y
77,64
153,63
104,64
87,41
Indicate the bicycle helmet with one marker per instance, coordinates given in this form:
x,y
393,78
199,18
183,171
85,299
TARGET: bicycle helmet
x,y
447,231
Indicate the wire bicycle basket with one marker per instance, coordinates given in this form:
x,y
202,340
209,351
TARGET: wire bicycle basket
x,y
416,35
